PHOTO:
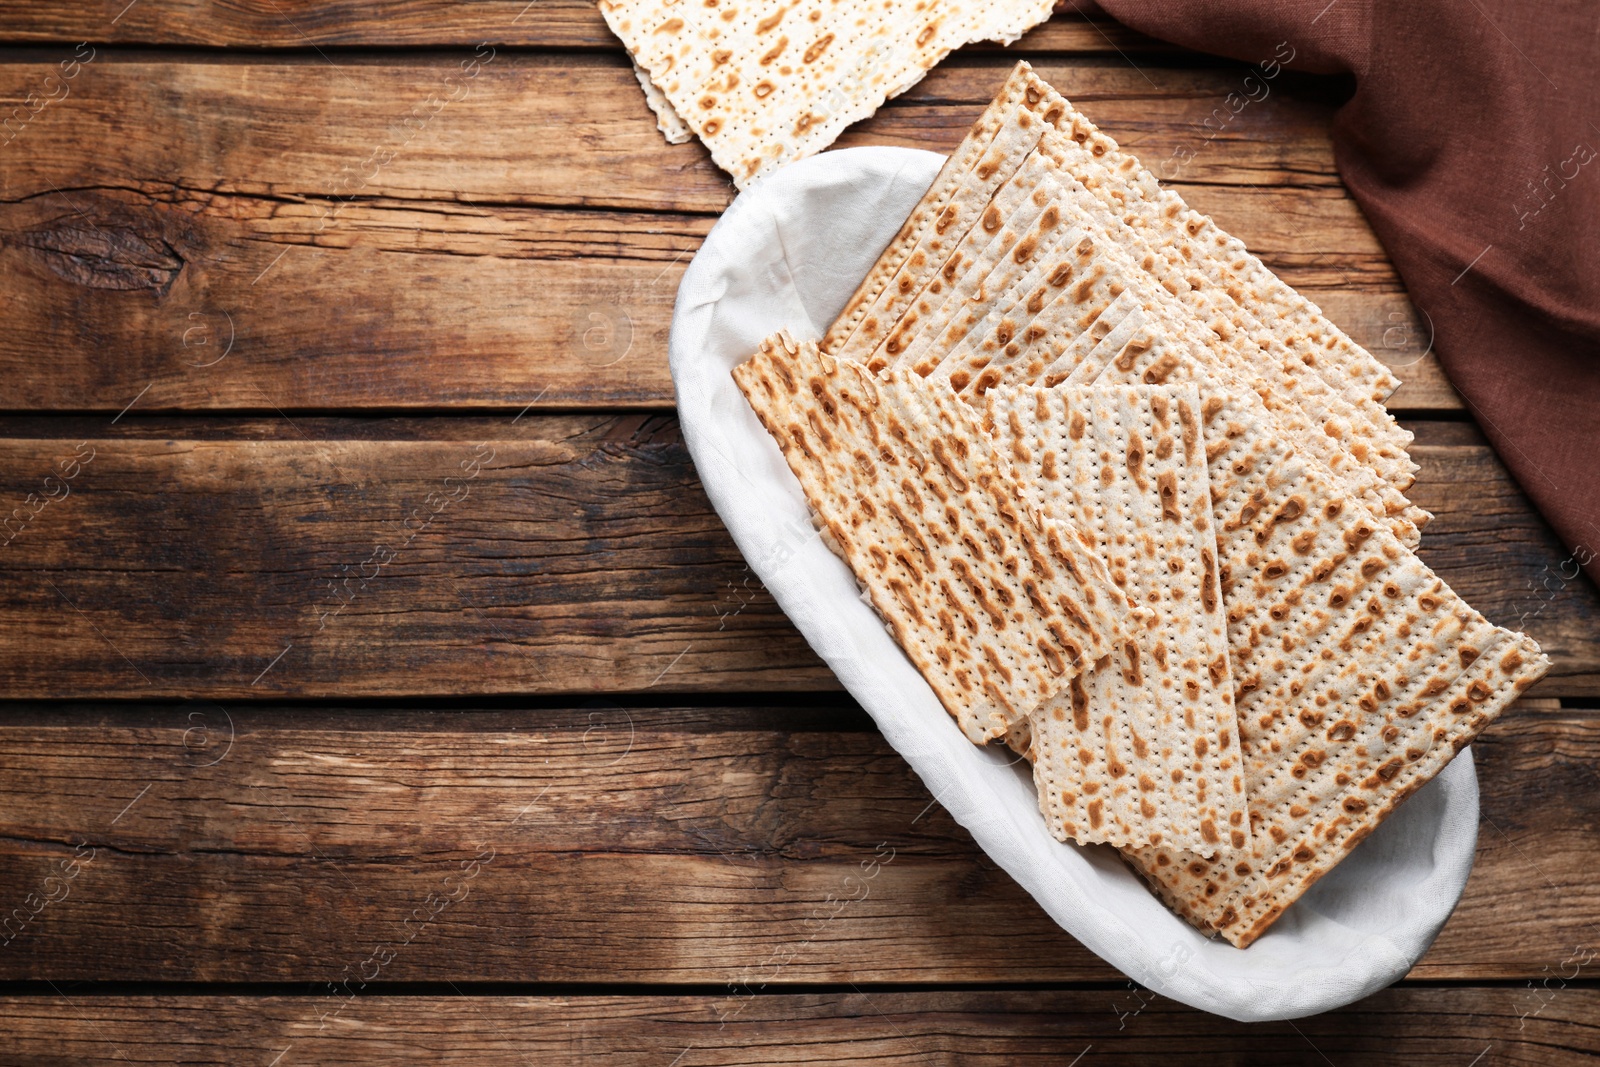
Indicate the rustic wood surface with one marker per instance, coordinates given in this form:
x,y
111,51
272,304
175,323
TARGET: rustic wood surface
x,y
329,831
310,557
359,602
564,24
194,256
1434,1027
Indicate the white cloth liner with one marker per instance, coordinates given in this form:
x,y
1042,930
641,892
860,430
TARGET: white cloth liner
x,y
788,254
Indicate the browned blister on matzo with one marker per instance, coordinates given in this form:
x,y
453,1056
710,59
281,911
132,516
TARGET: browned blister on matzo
x,y
1358,674
1142,748
996,606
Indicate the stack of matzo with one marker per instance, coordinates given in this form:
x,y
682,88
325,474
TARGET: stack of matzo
x,y
1163,548
765,82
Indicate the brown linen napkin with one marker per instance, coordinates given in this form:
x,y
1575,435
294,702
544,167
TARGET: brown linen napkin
x,y
1471,144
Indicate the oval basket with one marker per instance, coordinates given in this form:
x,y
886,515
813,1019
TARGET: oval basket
x,y
788,254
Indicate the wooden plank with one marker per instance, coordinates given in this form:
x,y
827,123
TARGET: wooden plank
x,y
332,24
327,240
327,558
1446,1027
296,126
557,554
512,846
1524,865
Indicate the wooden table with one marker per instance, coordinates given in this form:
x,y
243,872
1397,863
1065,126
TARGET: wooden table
x,y
381,685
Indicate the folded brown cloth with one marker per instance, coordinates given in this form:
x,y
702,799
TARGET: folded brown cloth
x,y
1471,144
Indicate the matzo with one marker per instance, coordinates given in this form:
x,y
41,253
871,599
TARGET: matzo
x,y
1125,275
1324,415
998,142
1358,675
997,607
1221,263
765,82
1016,329
1319,419
1166,249
1143,747
1021,203
1356,672
668,121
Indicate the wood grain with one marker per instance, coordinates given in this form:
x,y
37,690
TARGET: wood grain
x,y
1431,1027
328,558
328,238
285,844
334,24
